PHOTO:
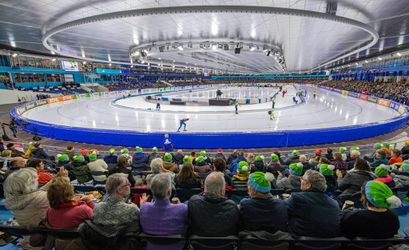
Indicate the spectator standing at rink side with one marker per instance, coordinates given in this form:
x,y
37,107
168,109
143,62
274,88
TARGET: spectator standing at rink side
x,y
261,212
312,212
377,221
13,127
210,213
160,217
167,144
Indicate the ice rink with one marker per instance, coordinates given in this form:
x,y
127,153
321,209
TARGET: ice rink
x,y
135,114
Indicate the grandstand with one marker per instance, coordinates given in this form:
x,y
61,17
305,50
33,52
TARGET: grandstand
x,y
211,125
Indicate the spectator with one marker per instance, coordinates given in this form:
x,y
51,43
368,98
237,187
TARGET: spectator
x,y
239,180
16,163
405,149
351,183
380,158
382,175
187,178
340,164
80,169
355,154
293,181
220,166
124,168
14,151
306,164
205,158
234,165
329,155
294,158
1,145
153,155
97,165
192,156
376,147
6,159
168,164
261,212
377,221
210,213
311,212
167,144
111,158
178,157
220,154
396,157
401,178
44,175
38,152
157,168
274,166
258,164
160,217
232,157
328,172
70,152
386,146
201,166
139,160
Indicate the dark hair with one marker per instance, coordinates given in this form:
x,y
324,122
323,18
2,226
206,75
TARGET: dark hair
x,y
277,153
381,152
397,152
34,163
329,151
219,164
193,153
361,164
70,147
186,173
338,156
324,160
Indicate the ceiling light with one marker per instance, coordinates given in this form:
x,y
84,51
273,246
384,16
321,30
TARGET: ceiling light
x,y
252,48
53,60
84,62
214,46
366,61
110,64
379,58
52,52
180,48
14,55
398,54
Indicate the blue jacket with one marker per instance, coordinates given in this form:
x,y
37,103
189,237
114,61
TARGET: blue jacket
x,y
235,164
313,214
111,159
139,158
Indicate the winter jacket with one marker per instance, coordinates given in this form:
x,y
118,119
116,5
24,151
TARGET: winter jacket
x,y
139,158
352,181
178,158
189,183
210,216
170,166
81,172
378,161
258,166
98,165
202,169
123,170
401,179
332,184
340,164
111,159
291,182
152,156
39,153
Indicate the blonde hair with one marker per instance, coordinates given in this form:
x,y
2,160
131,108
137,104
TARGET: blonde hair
x,y
60,191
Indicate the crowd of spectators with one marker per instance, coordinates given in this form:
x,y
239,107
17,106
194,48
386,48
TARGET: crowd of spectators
x,y
395,91
322,191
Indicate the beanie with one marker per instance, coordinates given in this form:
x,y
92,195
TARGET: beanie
x,y
381,170
200,160
327,170
243,167
202,153
274,158
296,168
342,149
318,151
259,158
220,150
94,151
92,157
138,149
380,195
186,159
295,153
111,151
79,158
63,158
166,136
261,182
386,144
377,145
405,166
355,148
84,151
124,151
154,149
167,157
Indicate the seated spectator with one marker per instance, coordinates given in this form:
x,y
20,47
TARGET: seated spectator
x,y
377,221
44,175
311,212
343,152
239,180
220,154
250,158
115,213
187,178
5,160
16,163
210,213
178,157
351,183
168,164
274,166
1,145
293,181
139,160
371,157
340,164
396,157
405,150
153,155
220,166
201,166
23,197
232,157
157,168
329,155
63,161
111,158
380,158
160,217
80,169
328,172
355,154
401,178
192,156
382,175
386,146
234,165
294,158
261,212
306,164
96,167
70,152
123,167
258,164
14,151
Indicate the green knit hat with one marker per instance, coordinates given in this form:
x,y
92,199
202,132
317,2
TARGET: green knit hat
x,y
342,149
186,159
261,182
167,157
202,153
327,170
405,166
296,168
295,153
124,151
79,158
155,149
386,144
259,158
380,195
355,148
92,157
63,158
381,171
377,145
274,158
138,149
243,167
111,151
200,160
